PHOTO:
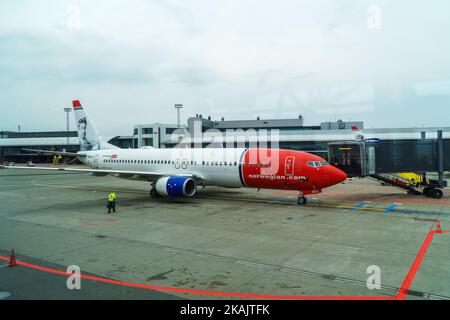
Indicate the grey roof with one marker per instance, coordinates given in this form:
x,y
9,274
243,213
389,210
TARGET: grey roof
x,y
26,142
322,135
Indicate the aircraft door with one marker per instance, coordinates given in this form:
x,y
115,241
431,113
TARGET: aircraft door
x,y
289,166
95,161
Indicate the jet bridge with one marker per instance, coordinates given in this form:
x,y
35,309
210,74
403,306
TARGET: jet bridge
x,y
381,160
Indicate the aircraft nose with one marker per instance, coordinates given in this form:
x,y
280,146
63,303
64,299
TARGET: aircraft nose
x,y
336,176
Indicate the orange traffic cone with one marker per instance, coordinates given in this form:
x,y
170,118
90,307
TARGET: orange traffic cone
x,y
438,227
12,259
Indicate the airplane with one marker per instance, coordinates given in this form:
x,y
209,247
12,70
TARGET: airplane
x,y
178,172
359,136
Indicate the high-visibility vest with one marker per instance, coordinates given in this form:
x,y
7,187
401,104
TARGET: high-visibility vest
x,y
111,197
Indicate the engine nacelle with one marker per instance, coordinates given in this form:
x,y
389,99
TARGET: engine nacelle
x,y
176,186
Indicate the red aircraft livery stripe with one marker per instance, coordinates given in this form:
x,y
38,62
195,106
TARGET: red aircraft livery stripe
x,y
275,169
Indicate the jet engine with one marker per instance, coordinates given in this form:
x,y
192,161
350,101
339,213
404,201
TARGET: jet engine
x,y
176,186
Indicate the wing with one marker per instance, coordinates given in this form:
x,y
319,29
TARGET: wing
x,y
119,173
73,154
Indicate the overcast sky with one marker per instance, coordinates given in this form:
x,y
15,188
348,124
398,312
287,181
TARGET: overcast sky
x,y
384,62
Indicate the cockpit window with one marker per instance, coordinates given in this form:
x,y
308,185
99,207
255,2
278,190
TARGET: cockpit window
x,y
317,164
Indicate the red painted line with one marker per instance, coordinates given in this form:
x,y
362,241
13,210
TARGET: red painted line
x,y
200,292
400,296
406,285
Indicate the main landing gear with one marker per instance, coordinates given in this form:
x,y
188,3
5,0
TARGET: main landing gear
x,y
153,192
301,200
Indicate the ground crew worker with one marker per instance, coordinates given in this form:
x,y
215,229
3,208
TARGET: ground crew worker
x,y
112,202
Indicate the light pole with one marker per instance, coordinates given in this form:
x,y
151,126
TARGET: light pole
x,y
67,111
178,106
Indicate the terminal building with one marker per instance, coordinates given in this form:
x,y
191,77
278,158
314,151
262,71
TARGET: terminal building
x,y
156,134
291,134
12,145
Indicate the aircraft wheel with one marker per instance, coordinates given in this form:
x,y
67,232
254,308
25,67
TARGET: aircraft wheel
x,y
437,193
301,201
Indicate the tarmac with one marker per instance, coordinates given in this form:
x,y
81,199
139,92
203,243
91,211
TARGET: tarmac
x,y
221,243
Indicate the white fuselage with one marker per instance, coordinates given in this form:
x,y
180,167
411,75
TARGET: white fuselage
x,y
219,167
